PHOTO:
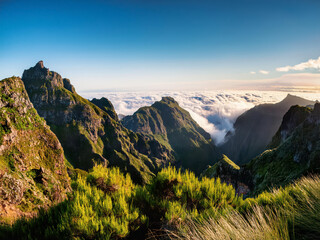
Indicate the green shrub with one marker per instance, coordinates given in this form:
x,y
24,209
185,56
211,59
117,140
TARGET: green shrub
x,y
292,212
173,196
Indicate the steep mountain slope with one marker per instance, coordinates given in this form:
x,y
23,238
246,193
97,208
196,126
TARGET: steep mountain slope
x,y
90,133
255,128
33,170
174,127
297,154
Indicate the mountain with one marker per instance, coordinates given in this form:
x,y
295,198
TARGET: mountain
x,y
175,128
33,172
254,129
90,131
297,153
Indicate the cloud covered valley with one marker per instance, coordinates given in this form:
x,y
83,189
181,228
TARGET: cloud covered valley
x,y
215,111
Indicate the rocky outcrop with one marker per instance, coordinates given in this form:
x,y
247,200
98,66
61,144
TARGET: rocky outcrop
x,y
105,105
254,129
67,85
33,171
293,118
90,132
173,126
232,174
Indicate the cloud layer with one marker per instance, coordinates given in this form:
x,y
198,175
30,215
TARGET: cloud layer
x,y
310,64
215,111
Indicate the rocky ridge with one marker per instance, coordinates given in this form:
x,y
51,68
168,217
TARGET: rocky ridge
x,y
91,133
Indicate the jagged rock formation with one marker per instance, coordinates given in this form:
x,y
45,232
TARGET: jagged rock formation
x,y
230,173
293,118
105,105
174,127
255,128
33,171
297,150
91,133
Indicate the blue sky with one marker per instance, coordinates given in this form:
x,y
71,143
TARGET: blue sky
x,y
163,44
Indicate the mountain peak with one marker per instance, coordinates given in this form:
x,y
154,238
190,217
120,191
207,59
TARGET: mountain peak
x,y
168,100
316,109
290,97
35,76
295,100
39,64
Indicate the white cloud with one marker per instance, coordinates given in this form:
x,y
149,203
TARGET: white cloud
x,y
264,72
253,72
310,64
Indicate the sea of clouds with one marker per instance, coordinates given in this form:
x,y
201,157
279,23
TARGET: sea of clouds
x,y
215,111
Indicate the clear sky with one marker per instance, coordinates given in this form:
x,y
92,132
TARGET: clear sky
x,y
164,44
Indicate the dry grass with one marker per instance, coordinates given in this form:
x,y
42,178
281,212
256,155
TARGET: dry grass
x,y
262,224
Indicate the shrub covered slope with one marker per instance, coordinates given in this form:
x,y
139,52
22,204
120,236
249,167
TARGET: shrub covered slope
x,y
33,171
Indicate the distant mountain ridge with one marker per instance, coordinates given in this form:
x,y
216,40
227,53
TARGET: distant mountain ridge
x,y
254,129
294,155
174,126
89,131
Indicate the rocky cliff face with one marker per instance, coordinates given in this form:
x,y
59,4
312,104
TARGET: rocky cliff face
x,y
297,153
32,164
172,125
91,133
293,118
255,128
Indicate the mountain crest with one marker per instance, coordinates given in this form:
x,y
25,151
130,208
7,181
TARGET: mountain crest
x,y
39,74
168,100
316,109
291,99
39,64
